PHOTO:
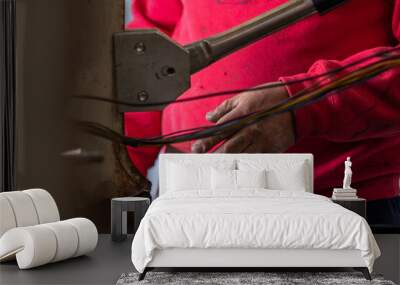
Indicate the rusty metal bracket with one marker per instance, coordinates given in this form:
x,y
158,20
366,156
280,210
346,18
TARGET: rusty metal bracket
x,y
149,68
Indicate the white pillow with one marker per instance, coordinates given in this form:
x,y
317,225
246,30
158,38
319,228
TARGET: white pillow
x,y
290,179
281,174
236,179
181,178
223,179
193,175
251,178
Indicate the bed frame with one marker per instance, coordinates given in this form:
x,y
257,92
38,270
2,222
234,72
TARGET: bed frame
x,y
242,259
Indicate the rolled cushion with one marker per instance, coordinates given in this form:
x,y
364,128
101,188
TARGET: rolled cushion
x,y
7,218
87,233
45,205
67,240
23,208
33,246
40,244
26,208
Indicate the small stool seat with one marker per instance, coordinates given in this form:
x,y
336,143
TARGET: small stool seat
x,y
119,208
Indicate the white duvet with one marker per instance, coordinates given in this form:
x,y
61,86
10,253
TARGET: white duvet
x,y
253,218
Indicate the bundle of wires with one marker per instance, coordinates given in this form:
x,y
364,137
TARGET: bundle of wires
x,y
324,87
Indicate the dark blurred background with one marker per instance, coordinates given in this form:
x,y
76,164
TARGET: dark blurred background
x,y
64,48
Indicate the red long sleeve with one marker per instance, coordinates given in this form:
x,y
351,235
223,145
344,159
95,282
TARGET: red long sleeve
x,y
361,118
160,14
368,110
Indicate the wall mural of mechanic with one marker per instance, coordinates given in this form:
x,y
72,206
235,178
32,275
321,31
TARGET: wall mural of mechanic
x,y
362,122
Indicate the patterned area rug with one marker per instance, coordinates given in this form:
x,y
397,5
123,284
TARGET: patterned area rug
x,y
253,278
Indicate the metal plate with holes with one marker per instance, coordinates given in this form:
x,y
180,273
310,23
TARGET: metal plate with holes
x,y
149,68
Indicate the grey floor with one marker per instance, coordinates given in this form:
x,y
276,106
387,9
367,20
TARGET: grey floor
x,y
111,259
103,266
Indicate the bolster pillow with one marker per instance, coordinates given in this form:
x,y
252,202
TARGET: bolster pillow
x,y
26,208
40,244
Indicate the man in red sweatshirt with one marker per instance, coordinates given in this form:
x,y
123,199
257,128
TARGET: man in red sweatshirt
x,y
362,122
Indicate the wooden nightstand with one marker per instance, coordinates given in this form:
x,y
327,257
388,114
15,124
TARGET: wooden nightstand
x,y
357,205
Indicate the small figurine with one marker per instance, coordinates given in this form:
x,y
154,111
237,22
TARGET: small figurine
x,y
347,174
347,192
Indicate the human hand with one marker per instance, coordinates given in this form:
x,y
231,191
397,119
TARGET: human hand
x,y
271,135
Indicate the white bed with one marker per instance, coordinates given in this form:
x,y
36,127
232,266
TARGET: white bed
x,y
198,222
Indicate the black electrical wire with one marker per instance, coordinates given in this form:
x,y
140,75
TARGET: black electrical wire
x,y
237,123
309,89
382,54
210,130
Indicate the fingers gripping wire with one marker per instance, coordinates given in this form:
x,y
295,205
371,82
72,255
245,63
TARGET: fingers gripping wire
x,y
324,87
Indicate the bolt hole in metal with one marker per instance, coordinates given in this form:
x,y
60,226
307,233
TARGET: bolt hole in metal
x,y
142,96
140,48
168,71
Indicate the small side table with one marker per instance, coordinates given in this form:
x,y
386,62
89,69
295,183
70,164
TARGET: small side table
x,y
357,205
119,209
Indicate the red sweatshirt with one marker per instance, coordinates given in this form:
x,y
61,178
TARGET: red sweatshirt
x,y
362,122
